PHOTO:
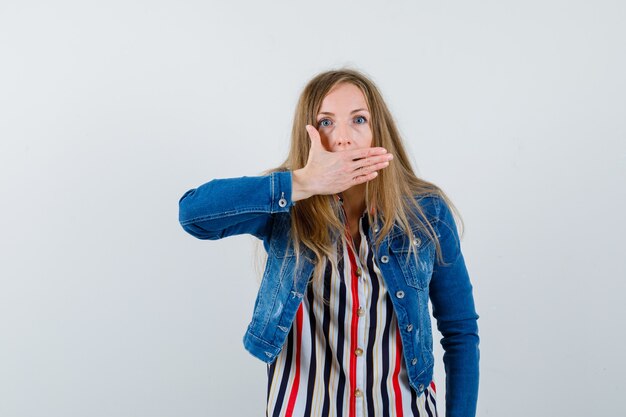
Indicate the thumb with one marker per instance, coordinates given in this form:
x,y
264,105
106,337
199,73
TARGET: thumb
x,y
314,135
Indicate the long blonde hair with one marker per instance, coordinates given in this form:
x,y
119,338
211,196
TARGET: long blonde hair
x,y
390,197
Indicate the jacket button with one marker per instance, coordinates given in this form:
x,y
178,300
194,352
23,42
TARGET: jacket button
x,y
400,294
282,202
417,241
376,229
409,327
414,362
384,259
421,387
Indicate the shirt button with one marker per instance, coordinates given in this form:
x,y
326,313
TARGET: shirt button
x,y
358,351
358,393
409,327
400,294
360,312
414,362
384,259
359,271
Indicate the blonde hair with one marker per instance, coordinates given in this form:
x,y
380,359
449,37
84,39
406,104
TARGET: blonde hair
x,y
390,197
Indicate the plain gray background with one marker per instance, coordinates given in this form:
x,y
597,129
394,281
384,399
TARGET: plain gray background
x,y
111,110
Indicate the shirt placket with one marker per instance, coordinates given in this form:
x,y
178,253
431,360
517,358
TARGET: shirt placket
x,y
362,291
361,302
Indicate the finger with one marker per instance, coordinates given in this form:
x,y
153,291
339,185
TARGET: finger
x,y
366,170
371,160
365,152
314,135
364,178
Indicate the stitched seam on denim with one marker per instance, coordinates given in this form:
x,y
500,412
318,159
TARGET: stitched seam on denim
x,y
414,228
274,296
262,325
393,234
282,337
439,222
260,210
263,341
271,311
426,368
425,244
272,177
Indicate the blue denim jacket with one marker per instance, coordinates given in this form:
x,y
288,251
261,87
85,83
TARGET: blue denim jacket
x,y
261,206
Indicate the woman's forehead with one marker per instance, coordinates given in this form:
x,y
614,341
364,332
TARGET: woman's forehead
x,y
344,96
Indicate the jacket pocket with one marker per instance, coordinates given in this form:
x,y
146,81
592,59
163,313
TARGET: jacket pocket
x,y
417,272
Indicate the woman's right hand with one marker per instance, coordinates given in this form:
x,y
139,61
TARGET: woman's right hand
x,y
333,172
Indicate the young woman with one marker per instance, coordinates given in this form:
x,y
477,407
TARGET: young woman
x,y
357,245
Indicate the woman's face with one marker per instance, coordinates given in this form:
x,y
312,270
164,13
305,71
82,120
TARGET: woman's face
x,y
344,119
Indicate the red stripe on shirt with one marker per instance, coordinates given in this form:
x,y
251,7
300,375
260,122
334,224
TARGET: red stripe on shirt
x,y
296,379
354,326
396,372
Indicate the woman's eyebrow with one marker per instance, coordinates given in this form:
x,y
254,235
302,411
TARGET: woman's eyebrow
x,y
353,111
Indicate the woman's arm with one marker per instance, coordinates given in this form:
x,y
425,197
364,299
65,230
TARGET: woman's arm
x,y
231,206
453,307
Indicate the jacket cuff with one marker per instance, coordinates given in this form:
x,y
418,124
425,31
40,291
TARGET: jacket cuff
x,y
281,192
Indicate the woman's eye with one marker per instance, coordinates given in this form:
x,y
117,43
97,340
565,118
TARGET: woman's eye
x,y
360,120
324,123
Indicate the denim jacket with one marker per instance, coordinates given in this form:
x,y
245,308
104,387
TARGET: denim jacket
x,y
260,206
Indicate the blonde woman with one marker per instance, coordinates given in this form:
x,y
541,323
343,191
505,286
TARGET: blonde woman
x,y
357,245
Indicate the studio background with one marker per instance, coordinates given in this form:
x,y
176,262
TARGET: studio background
x,y
110,111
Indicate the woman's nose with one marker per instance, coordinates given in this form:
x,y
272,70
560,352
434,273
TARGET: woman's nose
x,y
342,135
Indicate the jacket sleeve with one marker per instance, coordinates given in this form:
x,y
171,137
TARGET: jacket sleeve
x,y
453,308
231,206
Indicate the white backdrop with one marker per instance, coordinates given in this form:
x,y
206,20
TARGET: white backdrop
x,y
111,110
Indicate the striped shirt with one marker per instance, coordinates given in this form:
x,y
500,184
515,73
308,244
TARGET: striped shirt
x,y
344,358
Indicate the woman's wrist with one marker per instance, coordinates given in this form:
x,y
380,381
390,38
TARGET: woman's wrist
x,y
299,186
